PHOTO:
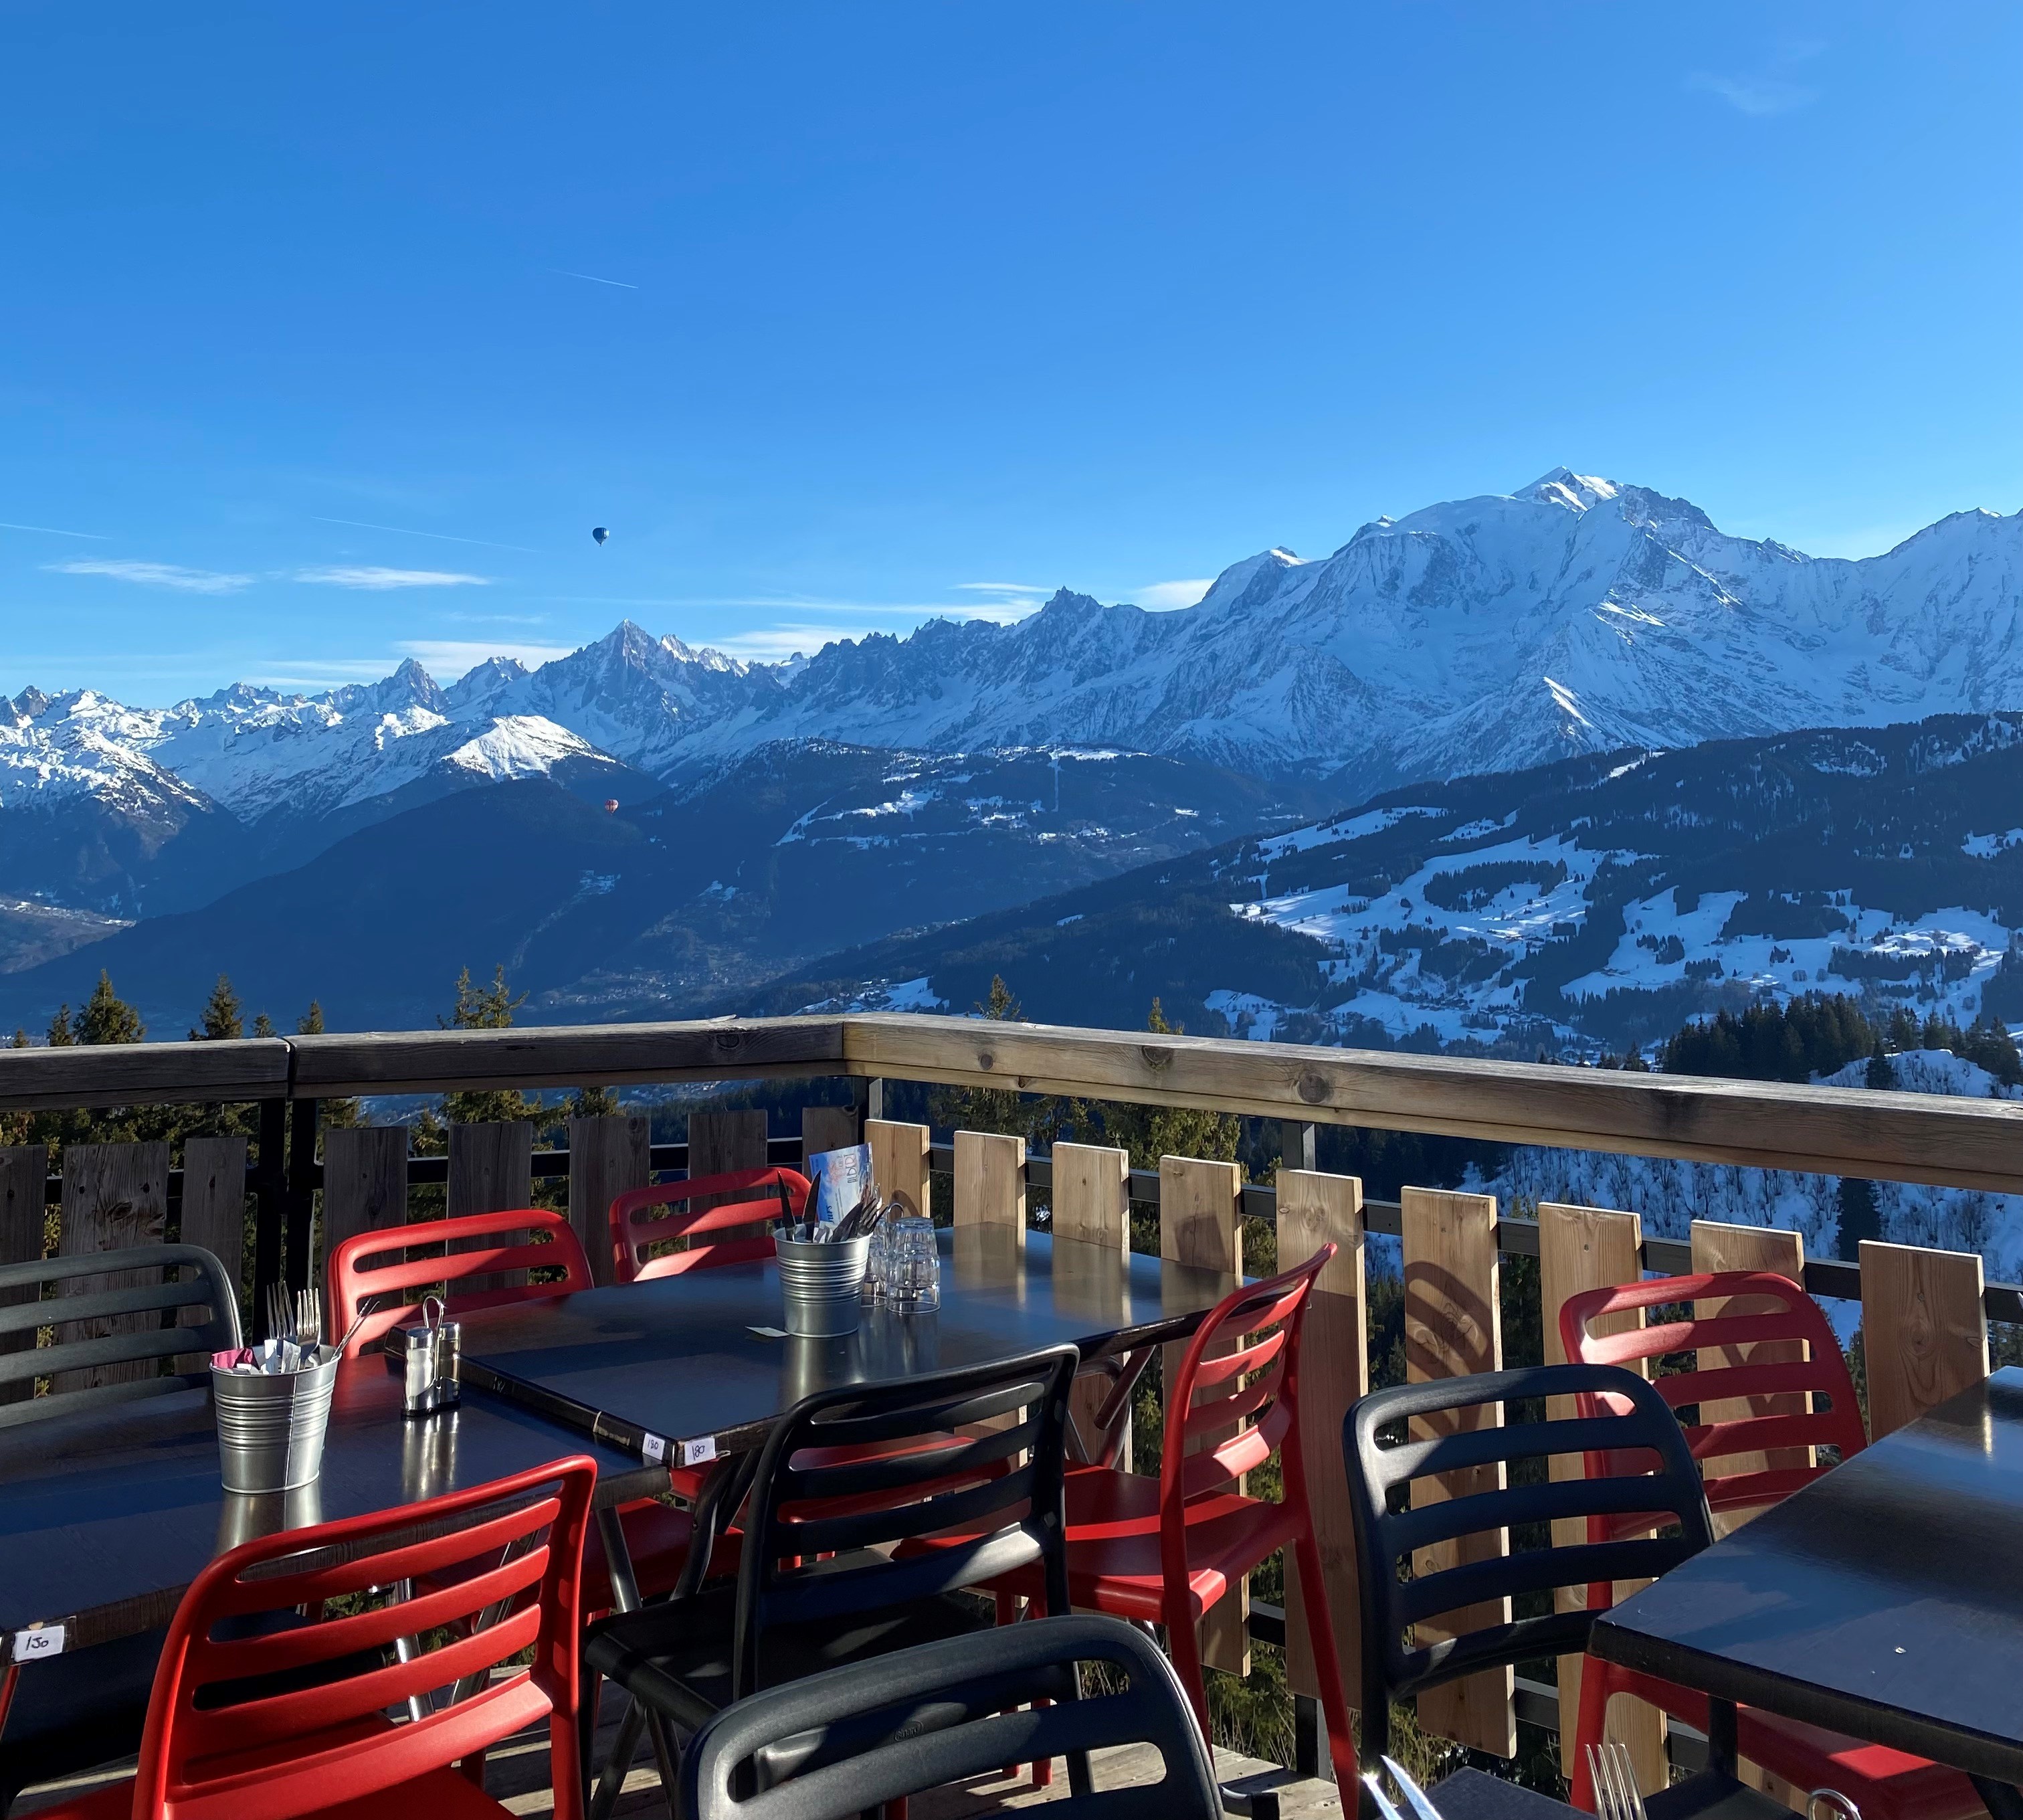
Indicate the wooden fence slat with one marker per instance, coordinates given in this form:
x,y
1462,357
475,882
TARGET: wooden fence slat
x,y
1200,1222
827,1128
1582,1248
1453,1328
114,1195
609,1155
213,1216
1924,1331
23,1169
720,1143
365,1181
899,1160
1091,1223
1334,1370
991,1182
490,1171
1722,1247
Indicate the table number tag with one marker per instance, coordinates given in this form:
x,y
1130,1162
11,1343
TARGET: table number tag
x,y
39,1642
652,1449
699,1452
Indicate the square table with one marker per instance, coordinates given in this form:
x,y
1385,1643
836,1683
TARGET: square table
x,y
1884,1600
107,1515
695,1367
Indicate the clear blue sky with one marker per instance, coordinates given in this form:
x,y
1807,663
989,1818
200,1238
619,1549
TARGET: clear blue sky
x,y
872,305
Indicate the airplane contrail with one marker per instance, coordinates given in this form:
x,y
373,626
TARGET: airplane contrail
x,y
51,531
440,536
592,278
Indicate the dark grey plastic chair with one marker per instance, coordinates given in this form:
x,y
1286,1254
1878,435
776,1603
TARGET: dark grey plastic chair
x,y
87,1706
843,1742
201,1283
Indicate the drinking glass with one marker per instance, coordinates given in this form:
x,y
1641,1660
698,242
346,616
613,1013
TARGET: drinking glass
x,y
913,1265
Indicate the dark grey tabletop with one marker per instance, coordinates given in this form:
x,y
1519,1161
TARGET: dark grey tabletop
x,y
1885,1600
106,1517
683,1361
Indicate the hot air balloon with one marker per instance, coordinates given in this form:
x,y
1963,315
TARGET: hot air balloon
x,y
611,805
599,533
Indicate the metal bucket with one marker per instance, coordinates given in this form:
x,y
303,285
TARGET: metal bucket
x,y
819,1284
270,1426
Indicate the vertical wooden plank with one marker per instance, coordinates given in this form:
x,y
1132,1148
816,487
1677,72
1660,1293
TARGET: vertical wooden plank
x,y
991,1182
490,1171
23,1169
1091,1223
1200,1222
365,1181
1721,1247
720,1143
1091,1196
1453,1328
899,1160
1582,1248
827,1128
609,1156
1334,1371
214,1216
114,1196
1924,1332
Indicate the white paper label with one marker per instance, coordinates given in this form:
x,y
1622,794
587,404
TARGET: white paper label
x,y
699,1452
36,1644
769,1333
652,1449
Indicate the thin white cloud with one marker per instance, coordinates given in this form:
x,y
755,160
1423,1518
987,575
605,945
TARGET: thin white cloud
x,y
1759,96
592,278
1166,596
379,579
1000,587
454,656
156,575
773,644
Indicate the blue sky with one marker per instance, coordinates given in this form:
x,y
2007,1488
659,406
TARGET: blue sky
x,y
327,334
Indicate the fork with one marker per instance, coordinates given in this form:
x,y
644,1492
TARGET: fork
x,y
280,1319
1614,1776
308,1318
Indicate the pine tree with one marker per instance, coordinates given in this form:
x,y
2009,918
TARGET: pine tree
x,y
263,1025
59,1036
486,1008
593,1103
223,1016
106,1017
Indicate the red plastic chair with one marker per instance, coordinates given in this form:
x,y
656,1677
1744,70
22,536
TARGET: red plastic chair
x,y
380,1265
1885,1784
1167,1550
261,1713
636,1229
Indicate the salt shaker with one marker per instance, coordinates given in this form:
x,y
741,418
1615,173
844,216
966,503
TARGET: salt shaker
x,y
430,1354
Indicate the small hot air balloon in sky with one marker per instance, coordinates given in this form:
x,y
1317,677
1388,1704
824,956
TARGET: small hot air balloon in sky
x,y
611,805
600,534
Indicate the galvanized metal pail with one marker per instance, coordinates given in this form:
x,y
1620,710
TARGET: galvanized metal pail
x,y
819,1284
271,1425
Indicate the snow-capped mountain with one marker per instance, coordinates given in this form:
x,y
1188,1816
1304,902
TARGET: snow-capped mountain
x,y
1484,634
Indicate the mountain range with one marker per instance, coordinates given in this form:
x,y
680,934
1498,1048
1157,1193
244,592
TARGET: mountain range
x,y
1576,615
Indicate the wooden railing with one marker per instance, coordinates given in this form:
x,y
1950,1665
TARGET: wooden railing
x,y
1924,1313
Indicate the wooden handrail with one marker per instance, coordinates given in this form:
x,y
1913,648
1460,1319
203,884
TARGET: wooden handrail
x,y
1947,1142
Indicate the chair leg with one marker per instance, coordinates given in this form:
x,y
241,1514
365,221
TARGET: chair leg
x,y
616,1767
1184,1651
1327,1666
1591,1727
667,1758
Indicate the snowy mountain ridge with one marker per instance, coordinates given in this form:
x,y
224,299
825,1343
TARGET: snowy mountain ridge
x,y
1577,614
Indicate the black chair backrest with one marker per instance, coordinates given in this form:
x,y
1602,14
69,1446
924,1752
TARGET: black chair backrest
x,y
1620,1414
842,1743
885,1463
122,1326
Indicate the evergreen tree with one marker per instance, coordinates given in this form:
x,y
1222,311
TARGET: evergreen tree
x,y
263,1025
59,1036
593,1103
106,1017
486,1008
1881,1075
223,1016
